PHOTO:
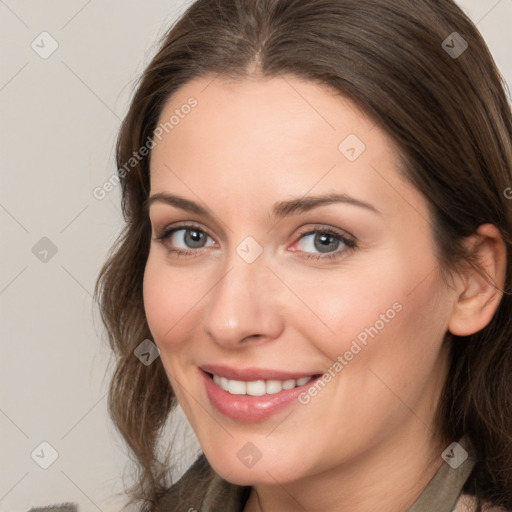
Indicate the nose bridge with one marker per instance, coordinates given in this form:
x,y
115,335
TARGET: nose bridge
x,y
242,303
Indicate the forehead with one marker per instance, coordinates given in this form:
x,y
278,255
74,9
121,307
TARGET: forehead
x,y
271,137
256,109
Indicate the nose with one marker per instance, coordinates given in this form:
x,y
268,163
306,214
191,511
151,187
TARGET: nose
x,y
243,305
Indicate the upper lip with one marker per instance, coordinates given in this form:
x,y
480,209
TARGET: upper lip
x,y
252,374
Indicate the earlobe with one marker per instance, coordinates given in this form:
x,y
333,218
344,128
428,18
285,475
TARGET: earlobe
x,y
480,292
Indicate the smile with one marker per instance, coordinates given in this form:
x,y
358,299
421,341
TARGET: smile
x,y
258,387
252,395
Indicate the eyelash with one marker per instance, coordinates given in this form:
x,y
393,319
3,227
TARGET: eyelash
x,y
349,242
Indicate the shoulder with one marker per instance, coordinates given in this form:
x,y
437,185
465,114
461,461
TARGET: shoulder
x,y
467,503
201,488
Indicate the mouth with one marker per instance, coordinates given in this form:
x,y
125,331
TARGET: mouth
x,y
259,387
253,395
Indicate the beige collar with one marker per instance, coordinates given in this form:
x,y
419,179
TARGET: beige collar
x,y
445,488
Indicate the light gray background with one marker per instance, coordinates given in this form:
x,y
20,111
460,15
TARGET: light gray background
x,y
59,119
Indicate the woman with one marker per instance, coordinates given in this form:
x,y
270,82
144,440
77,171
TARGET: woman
x,y
318,241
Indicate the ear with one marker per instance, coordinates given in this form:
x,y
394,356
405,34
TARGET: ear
x,y
479,294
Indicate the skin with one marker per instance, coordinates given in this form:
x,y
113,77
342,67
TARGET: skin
x,y
247,145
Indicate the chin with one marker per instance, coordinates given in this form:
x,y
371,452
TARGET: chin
x,y
262,472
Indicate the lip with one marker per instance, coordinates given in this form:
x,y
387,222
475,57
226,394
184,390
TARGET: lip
x,y
252,409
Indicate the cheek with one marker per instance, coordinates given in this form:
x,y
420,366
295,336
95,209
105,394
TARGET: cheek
x,y
391,312
351,304
169,300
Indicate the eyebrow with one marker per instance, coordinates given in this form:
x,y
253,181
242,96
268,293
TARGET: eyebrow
x,y
279,210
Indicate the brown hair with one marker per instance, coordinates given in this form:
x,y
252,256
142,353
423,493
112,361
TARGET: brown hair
x,y
449,117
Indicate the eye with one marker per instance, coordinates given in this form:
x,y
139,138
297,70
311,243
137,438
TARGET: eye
x,y
188,240
324,243
185,239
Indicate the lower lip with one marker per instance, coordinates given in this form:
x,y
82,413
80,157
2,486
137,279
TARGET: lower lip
x,y
250,408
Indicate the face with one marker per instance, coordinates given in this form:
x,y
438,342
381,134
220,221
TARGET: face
x,y
292,285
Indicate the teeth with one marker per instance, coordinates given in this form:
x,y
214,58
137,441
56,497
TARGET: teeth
x,y
237,387
255,388
258,387
224,383
288,384
273,386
